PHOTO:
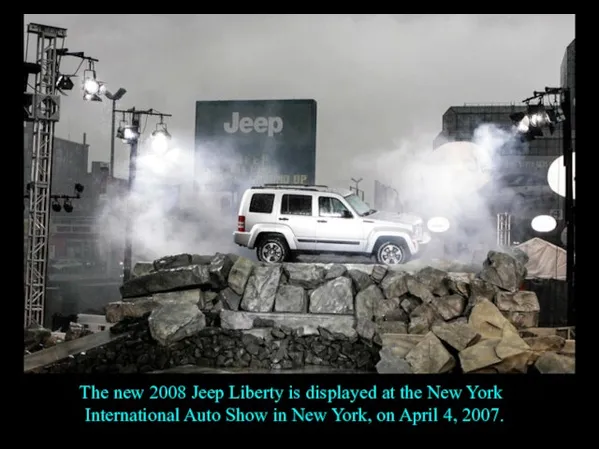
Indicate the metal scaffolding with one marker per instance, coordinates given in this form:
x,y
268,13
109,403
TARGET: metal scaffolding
x,y
504,230
44,112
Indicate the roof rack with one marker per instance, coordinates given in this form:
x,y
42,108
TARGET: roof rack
x,y
312,188
273,184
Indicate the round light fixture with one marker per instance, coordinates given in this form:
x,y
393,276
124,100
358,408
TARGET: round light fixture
x,y
556,176
438,224
543,223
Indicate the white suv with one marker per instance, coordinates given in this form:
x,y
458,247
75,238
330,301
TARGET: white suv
x,y
283,220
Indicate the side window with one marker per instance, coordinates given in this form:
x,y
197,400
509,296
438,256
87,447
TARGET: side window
x,y
262,203
296,205
331,207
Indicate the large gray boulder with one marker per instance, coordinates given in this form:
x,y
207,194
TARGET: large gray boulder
x,y
239,274
430,357
335,296
118,310
521,308
189,276
261,289
394,285
173,322
360,279
503,271
431,277
229,299
176,261
291,298
305,275
219,268
366,300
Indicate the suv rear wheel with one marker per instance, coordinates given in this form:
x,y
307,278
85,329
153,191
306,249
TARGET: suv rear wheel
x,y
272,249
392,253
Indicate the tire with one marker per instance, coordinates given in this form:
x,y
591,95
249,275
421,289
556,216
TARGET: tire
x,y
272,250
392,253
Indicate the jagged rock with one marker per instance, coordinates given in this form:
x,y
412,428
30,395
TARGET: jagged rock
x,y
75,331
503,271
236,320
431,277
220,267
519,255
335,296
307,276
521,308
480,355
365,328
261,289
441,291
419,290
378,273
479,289
194,296
384,308
360,279
430,357
169,262
569,348
118,310
394,285
200,259
421,319
410,303
36,337
397,313
168,279
399,345
487,320
457,287
392,327
552,363
390,364
212,302
291,298
141,268
175,321
335,271
458,335
449,307
548,343
240,273
230,299
366,301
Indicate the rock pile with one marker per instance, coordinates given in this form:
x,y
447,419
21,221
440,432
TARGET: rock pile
x,y
227,311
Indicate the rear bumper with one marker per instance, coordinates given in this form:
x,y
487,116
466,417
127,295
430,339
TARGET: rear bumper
x,y
242,238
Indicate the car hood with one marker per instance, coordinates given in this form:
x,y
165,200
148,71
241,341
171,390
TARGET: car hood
x,y
395,217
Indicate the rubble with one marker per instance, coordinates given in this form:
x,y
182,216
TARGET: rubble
x,y
227,311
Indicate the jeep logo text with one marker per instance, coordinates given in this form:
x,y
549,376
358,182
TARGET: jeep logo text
x,y
269,125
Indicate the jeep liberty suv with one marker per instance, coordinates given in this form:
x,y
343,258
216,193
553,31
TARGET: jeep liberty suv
x,y
281,221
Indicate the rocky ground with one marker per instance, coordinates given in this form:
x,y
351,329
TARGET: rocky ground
x,y
227,312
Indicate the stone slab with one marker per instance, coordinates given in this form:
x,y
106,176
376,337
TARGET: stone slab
x,y
343,324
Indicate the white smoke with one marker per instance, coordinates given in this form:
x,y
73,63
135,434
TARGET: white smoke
x,y
175,209
452,181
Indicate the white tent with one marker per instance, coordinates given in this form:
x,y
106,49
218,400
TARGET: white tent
x,y
546,260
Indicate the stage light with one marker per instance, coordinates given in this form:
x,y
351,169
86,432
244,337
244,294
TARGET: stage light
x,y
530,124
56,207
91,97
68,206
556,176
79,188
64,83
90,83
438,224
160,138
127,133
543,223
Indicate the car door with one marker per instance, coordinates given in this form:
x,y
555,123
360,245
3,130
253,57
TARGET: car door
x,y
337,227
297,212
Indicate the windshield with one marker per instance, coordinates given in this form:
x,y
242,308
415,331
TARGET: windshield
x,y
357,204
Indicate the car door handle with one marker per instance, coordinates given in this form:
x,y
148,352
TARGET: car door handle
x,y
284,219
321,221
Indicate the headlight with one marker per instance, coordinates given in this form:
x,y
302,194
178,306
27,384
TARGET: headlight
x,y
438,224
418,231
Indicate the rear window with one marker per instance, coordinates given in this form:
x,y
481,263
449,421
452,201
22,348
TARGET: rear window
x,y
261,203
296,205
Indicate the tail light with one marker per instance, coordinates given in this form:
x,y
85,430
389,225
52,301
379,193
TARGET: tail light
x,y
241,223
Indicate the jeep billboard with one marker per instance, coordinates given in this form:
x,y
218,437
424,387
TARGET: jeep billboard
x,y
241,143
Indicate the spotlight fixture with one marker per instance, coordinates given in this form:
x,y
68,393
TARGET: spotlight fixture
x,y
160,138
64,83
90,83
56,207
79,188
68,206
91,97
127,133
530,124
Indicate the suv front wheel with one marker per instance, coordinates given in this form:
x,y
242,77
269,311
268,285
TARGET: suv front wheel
x,y
272,250
392,253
